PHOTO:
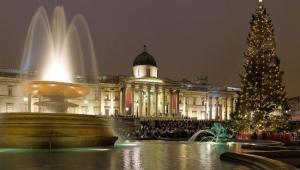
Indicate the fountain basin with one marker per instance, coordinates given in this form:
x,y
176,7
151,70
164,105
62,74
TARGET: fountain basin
x,y
56,89
55,94
54,130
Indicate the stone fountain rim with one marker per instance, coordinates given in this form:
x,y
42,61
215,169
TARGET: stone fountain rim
x,y
67,89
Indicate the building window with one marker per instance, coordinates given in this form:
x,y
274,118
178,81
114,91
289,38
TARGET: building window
x,y
97,93
25,107
106,112
84,109
116,97
71,110
194,113
9,90
148,74
106,97
97,110
203,101
9,107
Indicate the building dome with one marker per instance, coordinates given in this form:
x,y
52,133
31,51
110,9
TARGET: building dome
x,y
144,59
144,65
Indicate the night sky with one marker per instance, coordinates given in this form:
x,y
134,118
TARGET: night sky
x,y
186,37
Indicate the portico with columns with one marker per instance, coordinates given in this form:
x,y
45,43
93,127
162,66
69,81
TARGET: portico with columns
x,y
146,95
150,100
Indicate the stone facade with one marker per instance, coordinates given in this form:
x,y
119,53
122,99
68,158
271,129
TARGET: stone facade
x,y
142,95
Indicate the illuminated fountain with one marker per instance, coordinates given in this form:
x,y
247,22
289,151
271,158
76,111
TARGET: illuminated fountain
x,y
54,49
56,94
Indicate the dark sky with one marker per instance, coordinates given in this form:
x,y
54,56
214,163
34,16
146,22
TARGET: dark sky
x,y
186,37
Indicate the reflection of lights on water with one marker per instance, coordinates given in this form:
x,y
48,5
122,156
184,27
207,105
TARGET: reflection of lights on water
x,y
25,99
126,159
132,159
137,158
86,102
208,146
131,156
183,150
10,150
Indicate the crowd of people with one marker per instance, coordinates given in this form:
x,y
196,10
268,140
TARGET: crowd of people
x,y
182,129
177,129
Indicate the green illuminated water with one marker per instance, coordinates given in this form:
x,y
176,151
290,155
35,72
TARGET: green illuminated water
x,y
148,155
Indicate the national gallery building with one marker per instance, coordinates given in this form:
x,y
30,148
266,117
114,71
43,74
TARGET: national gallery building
x,y
143,94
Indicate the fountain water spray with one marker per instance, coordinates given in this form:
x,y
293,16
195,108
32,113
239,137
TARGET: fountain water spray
x,y
217,134
55,48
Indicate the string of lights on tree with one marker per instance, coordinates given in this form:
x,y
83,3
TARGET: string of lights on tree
x,y
262,103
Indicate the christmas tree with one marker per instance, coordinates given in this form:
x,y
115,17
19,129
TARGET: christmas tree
x,y
262,93
239,121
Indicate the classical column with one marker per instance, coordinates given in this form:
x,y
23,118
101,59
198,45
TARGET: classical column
x,y
99,98
210,108
183,106
177,102
226,109
102,103
163,101
132,100
40,108
205,108
124,100
220,108
141,101
171,101
148,100
120,100
29,102
232,103
156,99
111,96
217,116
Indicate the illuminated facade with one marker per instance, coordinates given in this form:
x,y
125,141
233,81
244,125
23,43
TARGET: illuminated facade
x,y
142,95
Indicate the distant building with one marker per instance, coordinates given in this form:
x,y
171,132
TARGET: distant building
x,y
142,95
294,104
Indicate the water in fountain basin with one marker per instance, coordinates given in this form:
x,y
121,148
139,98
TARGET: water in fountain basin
x,y
58,50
